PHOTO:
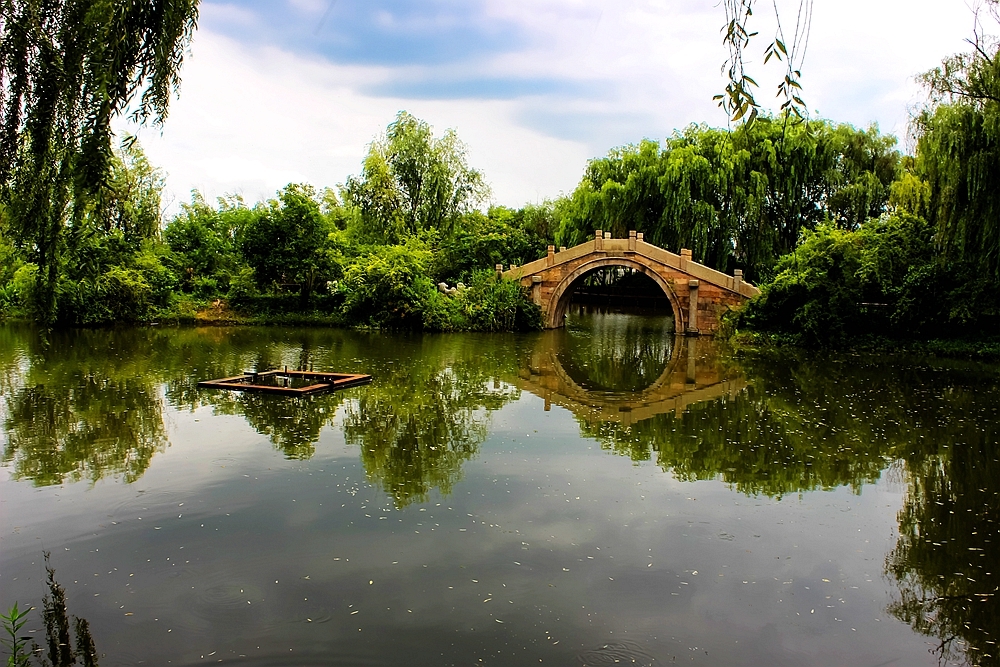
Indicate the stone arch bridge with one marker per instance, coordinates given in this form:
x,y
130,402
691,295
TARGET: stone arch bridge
x,y
698,295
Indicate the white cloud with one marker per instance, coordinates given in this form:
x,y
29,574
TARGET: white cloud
x,y
251,121
252,117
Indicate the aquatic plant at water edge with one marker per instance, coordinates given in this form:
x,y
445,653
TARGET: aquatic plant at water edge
x,y
12,623
59,628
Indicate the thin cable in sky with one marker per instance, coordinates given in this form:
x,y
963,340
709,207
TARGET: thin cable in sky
x,y
326,15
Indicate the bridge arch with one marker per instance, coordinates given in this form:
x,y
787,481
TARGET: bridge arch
x,y
698,295
558,303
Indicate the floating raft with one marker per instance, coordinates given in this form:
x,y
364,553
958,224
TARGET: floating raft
x,y
283,382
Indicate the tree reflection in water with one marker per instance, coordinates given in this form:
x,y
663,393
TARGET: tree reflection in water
x,y
805,423
798,426
92,404
946,560
292,425
72,414
425,414
95,427
416,424
802,423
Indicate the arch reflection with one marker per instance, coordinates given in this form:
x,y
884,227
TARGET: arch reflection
x,y
624,369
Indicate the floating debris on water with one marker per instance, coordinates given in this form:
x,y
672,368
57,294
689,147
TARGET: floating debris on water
x,y
612,653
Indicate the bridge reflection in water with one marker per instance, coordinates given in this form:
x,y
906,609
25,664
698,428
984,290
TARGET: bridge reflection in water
x,y
625,369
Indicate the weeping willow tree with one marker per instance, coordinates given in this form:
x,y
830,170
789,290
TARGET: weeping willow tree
x,y
958,153
737,199
68,68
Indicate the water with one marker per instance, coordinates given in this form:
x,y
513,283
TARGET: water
x,y
601,495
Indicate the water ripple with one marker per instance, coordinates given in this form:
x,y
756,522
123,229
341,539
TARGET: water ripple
x,y
616,653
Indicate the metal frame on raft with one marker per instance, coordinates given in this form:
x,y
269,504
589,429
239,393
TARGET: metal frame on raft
x,y
323,382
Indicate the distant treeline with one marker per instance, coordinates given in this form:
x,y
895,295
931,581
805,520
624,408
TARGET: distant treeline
x,y
373,252
846,235
370,255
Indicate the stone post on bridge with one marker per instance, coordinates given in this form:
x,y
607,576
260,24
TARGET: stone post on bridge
x,y
685,258
692,327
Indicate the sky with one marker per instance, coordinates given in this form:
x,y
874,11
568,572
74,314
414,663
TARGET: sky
x,y
280,91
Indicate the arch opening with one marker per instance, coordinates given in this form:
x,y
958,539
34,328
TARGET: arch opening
x,y
613,283
618,289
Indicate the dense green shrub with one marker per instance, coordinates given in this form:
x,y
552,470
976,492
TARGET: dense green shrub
x,y
886,279
10,259
492,304
388,287
487,304
284,241
125,293
203,242
816,296
442,313
22,287
243,285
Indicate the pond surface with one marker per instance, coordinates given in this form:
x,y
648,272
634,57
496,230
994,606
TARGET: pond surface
x,y
601,494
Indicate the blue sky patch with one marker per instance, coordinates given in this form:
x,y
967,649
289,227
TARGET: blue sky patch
x,y
599,130
373,32
486,87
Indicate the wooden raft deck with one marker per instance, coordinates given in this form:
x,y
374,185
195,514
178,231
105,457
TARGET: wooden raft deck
x,y
321,382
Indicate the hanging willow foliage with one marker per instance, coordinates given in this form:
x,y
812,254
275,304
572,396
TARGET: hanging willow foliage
x,y
738,99
737,199
67,69
958,154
